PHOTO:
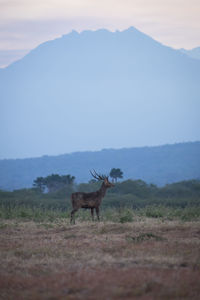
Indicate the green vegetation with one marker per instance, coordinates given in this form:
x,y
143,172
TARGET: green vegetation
x,y
116,173
124,215
53,183
127,201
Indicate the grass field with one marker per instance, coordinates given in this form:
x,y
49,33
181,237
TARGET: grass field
x,y
147,258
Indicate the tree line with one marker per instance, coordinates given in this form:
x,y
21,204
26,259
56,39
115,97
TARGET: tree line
x,y
54,191
55,182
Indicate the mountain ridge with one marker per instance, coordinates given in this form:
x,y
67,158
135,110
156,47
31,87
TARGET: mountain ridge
x,y
193,53
159,165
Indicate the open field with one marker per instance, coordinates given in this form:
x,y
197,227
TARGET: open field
x,y
147,259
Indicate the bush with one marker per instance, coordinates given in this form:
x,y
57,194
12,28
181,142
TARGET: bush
x,y
154,212
127,216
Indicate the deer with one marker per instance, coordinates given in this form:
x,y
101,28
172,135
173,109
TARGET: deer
x,y
90,200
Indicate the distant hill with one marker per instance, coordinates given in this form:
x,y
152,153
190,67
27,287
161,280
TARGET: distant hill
x,y
194,53
98,89
158,165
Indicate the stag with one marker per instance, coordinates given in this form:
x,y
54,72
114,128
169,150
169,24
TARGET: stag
x,y
90,200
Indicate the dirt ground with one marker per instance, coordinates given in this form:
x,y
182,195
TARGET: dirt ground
x,y
145,259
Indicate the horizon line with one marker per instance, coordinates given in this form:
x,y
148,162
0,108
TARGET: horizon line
x,y
100,150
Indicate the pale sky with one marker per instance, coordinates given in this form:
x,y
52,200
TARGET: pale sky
x,y
24,24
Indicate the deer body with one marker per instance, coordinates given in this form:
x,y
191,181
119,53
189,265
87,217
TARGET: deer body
x,y
90,200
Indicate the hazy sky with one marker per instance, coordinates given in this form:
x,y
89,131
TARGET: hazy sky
x,y
26,23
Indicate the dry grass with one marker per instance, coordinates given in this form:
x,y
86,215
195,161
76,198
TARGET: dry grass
x,y
146,259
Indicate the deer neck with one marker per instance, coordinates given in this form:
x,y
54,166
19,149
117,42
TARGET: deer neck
x,y
103,189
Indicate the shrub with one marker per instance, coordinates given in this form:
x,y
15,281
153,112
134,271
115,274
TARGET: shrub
x,y
126,216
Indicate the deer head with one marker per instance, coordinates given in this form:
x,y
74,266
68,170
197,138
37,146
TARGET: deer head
x,y
103,178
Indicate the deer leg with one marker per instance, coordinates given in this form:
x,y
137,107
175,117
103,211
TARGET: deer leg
x,y
73,216
92,213
97,212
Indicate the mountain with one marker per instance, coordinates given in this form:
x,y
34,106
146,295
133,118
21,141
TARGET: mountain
x,y
98,89
159,165
9,56
194,53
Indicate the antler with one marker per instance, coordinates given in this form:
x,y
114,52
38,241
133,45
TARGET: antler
x,y
97,176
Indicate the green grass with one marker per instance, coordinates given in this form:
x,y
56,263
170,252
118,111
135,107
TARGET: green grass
x,y
168,213
34,214
118,215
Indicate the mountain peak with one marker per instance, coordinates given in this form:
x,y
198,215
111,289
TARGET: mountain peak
x,y
132,30
98,89
100,31
72,33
